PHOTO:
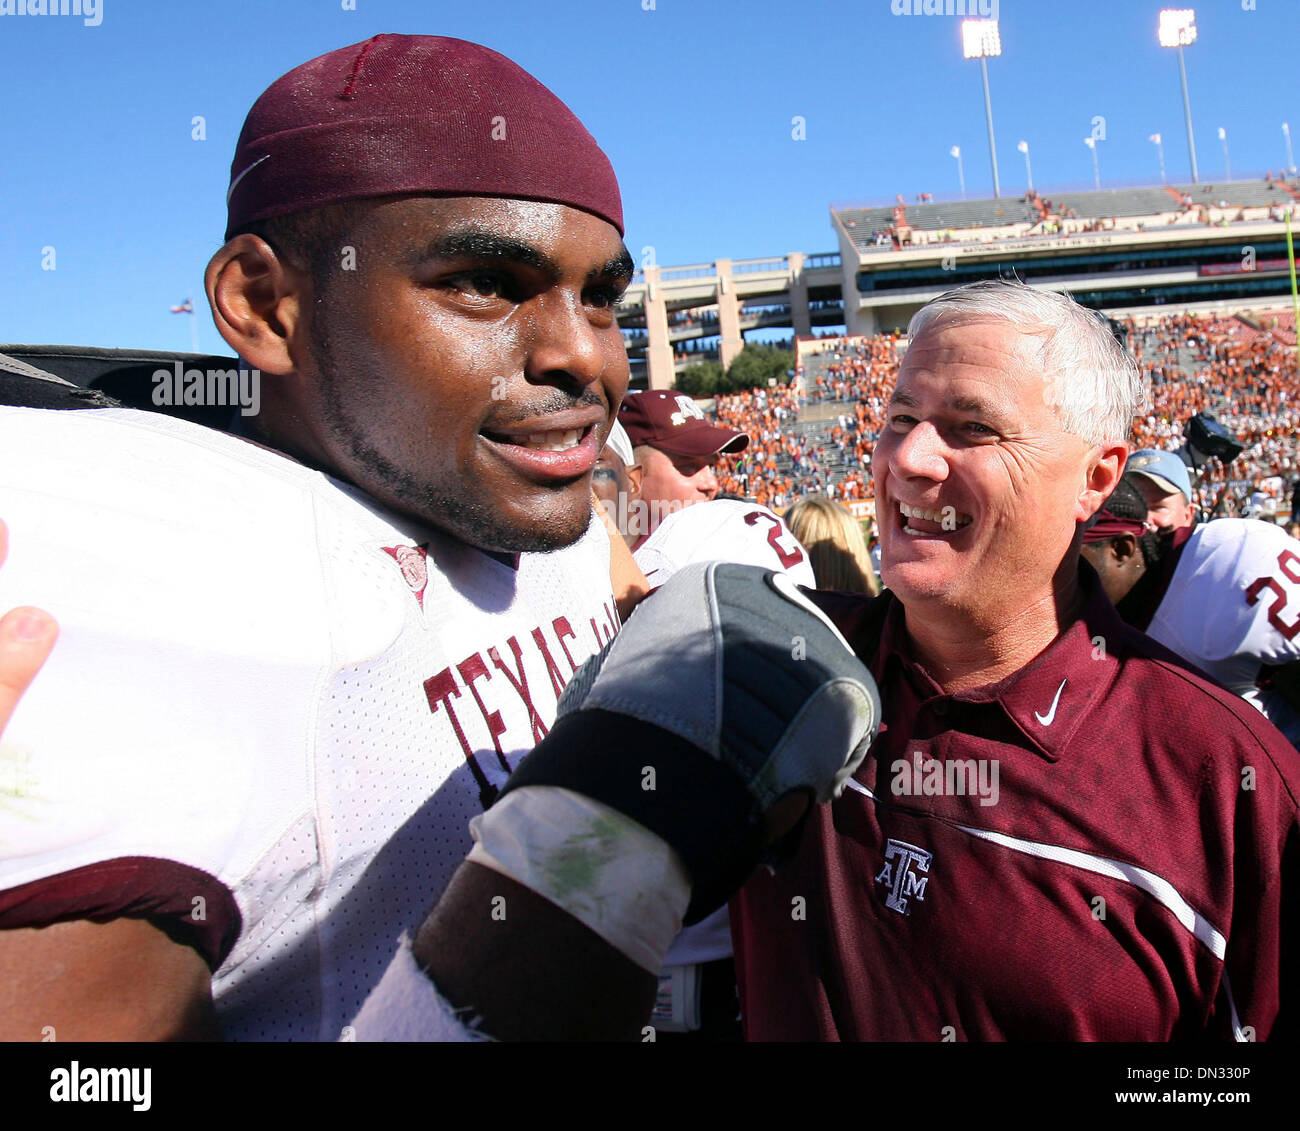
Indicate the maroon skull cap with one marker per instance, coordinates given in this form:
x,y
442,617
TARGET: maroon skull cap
x,y
673,423
413,114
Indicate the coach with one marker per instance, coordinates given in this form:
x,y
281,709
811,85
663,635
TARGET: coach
x,y
1060,834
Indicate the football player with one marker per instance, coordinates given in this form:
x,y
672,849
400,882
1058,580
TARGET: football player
x,y
1225,596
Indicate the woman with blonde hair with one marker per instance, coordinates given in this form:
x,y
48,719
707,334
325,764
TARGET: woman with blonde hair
x,y
835,545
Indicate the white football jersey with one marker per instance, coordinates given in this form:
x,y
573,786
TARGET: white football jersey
x,y
274,707
724,530
730,531
1234,604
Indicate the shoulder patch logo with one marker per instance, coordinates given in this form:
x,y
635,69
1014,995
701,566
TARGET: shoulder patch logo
x,y
900,876
413,562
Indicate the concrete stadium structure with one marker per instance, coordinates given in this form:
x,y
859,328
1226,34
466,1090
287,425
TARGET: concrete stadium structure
x,y
1190,247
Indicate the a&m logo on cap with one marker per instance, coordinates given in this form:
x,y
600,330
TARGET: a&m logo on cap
x,y
686,408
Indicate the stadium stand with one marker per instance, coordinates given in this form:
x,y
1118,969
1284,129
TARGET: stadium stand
x,y
1025,214
816,437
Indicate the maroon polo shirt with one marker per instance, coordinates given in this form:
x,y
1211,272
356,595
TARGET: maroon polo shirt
x,y
1124,882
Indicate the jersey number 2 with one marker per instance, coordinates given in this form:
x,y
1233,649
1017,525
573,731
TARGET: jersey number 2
x,y
1288,562
787,558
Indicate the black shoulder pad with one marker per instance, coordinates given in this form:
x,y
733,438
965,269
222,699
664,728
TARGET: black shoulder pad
x,y
26,391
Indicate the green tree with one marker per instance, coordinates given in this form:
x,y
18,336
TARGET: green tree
x,y
755,365
701,379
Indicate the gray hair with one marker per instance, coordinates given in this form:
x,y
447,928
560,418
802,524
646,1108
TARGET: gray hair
x,y
1091,380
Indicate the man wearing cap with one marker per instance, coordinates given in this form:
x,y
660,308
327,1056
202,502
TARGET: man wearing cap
x,y
292,671
1163,480
1060,832
676,447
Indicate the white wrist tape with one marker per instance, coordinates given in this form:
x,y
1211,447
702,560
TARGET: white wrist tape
x,y
600,866
406,1006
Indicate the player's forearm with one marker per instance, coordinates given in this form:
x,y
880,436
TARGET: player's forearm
x,y
634,815
527,969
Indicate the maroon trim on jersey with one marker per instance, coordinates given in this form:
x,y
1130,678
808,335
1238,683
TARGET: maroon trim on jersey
x,y
138,887
1091,899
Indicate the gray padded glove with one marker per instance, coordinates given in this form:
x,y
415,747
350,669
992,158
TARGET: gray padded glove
x,y
726,660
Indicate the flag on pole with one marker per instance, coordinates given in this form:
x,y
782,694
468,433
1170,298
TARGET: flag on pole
x,y
1155,139
187,307
1023,147
1090,142
955,151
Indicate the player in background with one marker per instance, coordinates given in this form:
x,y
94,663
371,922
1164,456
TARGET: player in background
x,y
676,447
723,530
1226,597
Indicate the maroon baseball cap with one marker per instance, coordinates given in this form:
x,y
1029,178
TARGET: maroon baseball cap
x,y
673,423
417,114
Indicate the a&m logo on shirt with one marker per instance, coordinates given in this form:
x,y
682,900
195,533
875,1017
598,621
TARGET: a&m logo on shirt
x,y
900,875
412,560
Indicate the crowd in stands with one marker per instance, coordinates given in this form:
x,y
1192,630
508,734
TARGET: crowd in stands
x,y
1246,377
1244,372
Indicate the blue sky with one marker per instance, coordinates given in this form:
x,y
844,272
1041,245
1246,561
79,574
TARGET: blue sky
x,y
694,100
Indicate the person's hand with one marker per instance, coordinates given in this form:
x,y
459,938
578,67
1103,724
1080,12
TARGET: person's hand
x,y
725,706
27,637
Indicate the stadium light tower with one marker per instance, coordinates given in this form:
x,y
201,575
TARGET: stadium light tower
x,y
1227,162
1091,143
980,40
1159,142
1290,156
955,151
1178,29
1029,169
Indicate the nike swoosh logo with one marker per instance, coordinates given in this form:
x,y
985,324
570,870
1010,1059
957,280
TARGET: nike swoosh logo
x,y
1046,719
234,184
